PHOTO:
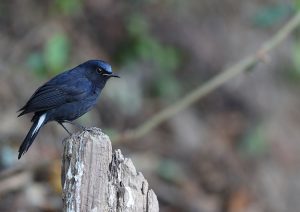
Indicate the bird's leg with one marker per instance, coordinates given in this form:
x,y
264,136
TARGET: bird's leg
x,y
76,125
64,127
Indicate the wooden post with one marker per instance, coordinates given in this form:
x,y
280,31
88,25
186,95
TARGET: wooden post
x,y
96,179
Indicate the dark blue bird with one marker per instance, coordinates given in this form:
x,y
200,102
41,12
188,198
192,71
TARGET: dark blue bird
x,y
65,97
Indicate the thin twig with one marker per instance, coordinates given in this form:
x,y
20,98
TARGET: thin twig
x,y
201,91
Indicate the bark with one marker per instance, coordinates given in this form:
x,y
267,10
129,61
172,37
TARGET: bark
x,y
96,179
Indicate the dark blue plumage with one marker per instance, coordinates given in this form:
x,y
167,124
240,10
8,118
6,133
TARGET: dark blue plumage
x,y
65,97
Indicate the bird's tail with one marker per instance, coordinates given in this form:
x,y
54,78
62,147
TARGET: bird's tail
x,y
38,122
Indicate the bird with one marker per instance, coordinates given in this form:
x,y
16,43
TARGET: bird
x,y
65,97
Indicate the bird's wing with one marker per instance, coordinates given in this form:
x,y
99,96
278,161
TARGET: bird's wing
x,y
55,93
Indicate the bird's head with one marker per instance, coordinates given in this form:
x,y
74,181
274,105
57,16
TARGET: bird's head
x,y
98,71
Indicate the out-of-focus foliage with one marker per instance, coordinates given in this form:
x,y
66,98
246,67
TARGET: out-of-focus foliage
x,y
68,7
170,171
270,15
142,47
297,4
254,144
214,156
127,95
294,73
53,58
35,63
56,53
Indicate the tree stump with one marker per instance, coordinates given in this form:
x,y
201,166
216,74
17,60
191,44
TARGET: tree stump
x,y
96,179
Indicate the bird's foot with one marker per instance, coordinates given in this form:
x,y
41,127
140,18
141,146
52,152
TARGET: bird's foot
x,y
77,125
65,128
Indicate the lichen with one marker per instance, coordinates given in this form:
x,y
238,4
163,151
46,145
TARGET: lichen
x,y
129,200
79,167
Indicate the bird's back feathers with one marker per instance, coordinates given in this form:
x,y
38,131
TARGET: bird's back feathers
x,y
53,94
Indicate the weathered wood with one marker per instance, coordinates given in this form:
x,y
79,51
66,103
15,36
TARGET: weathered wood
x,y
96,179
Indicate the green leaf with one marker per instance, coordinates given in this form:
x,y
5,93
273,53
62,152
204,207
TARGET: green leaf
x,y
268,16
169,60
255,143
68,7
168,87
297,4
137,25
56,53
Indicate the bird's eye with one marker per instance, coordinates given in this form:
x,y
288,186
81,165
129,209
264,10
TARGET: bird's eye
x,y
99,71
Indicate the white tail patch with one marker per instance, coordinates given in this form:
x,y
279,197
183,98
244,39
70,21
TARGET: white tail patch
x,y
39,124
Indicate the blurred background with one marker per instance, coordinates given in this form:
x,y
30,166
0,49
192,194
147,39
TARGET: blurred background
x,y
235,150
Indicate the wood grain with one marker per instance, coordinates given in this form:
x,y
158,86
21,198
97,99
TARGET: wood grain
x,y
96,179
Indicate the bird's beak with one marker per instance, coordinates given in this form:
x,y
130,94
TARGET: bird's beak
x,y
114,75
